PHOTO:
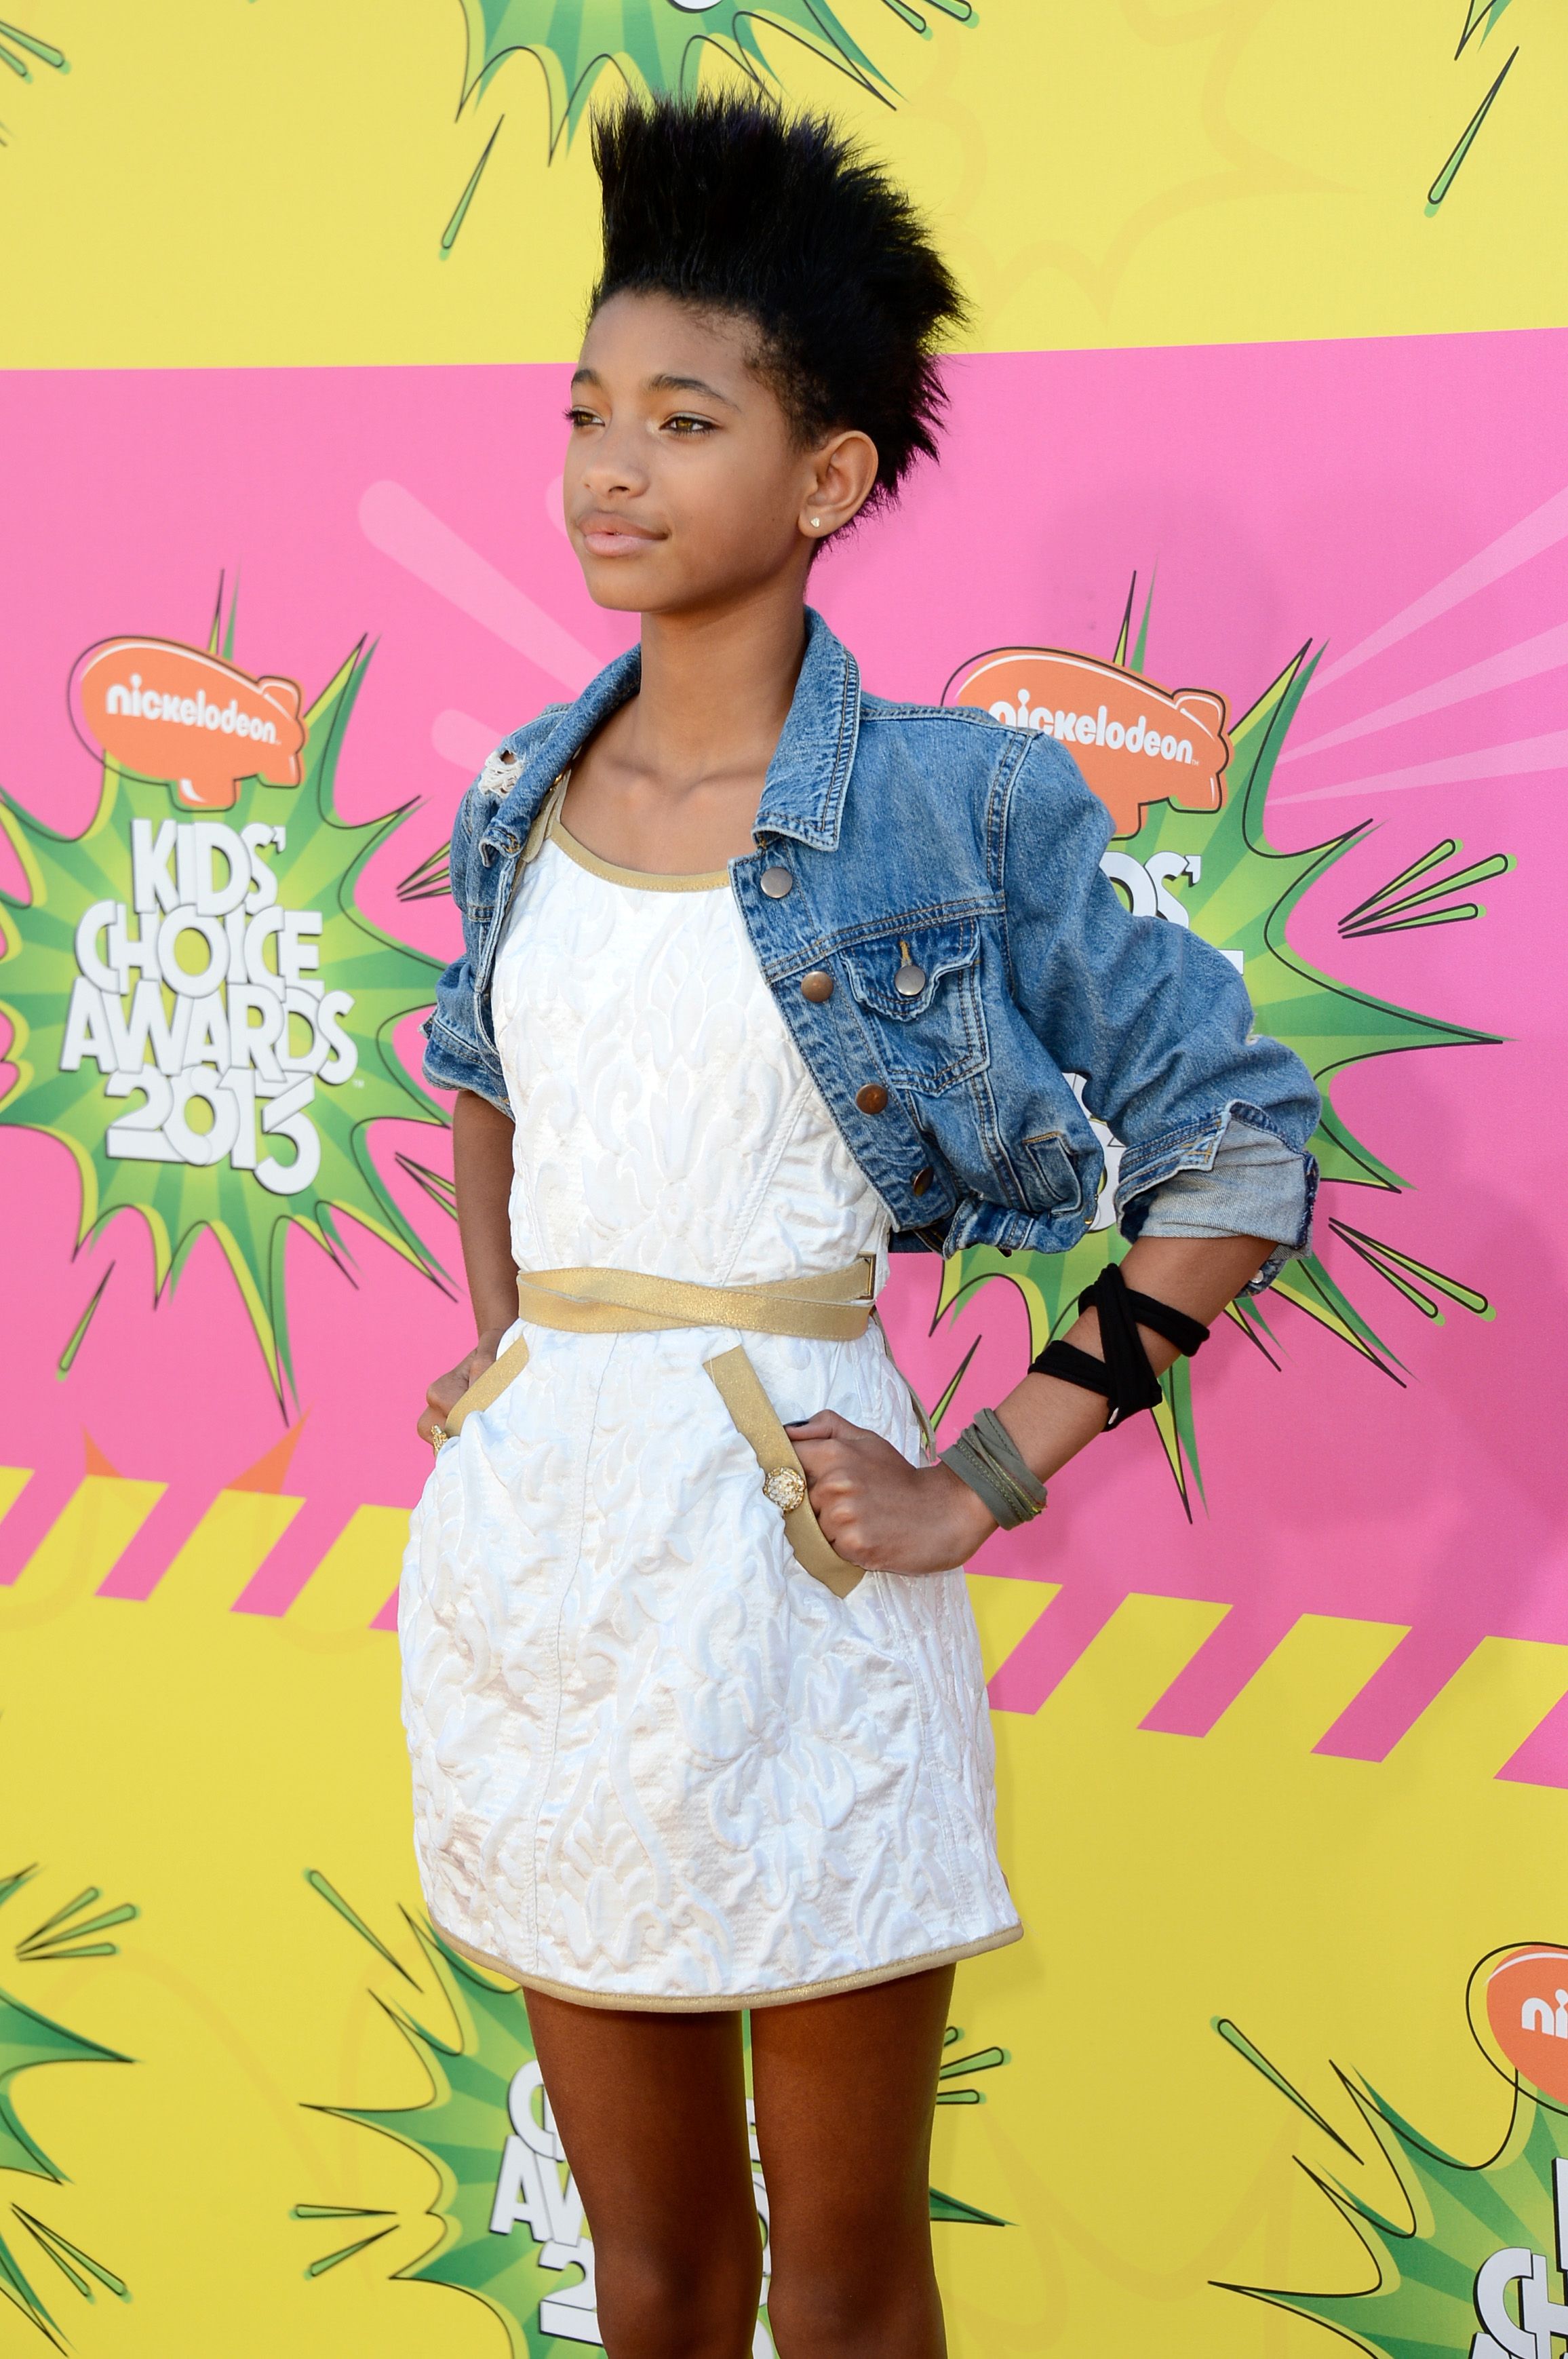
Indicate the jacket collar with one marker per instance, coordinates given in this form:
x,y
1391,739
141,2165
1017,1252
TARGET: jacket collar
x,y
556,751
803,793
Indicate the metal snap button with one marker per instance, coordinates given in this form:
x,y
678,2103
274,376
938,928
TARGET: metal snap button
x,y
872,1099
777,881
909,981
921,1181
817,987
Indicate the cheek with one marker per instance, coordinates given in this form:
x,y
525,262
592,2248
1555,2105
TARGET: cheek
x,y
738,511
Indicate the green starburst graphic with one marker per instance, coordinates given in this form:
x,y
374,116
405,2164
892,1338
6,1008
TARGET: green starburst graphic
x,y
487,2214
313,859
20,52
1238,893
1458,2216
656,45
1481,17
28,2039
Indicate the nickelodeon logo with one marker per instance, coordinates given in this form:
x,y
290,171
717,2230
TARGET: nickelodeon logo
x,y
1540,2015
1119,726
163,711
1523,1995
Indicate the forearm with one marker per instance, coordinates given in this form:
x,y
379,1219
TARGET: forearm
x,y
876,1509
1051,1421
482,1166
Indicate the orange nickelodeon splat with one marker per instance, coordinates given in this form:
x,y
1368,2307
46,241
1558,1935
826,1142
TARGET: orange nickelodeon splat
x,y
1526,2009
1135,744
163,711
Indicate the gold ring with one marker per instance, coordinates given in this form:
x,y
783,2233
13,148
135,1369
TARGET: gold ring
x,y
786,1486
436,1436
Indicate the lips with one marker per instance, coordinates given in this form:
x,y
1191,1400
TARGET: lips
x,y
614,535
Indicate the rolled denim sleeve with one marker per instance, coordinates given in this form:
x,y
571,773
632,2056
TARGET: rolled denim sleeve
x,y
1254,1188
457,1054
455,1057
1157,1024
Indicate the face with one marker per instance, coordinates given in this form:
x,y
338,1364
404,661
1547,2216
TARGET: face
x,y
685,487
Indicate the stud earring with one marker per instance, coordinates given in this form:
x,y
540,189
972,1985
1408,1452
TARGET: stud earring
x,y
816,524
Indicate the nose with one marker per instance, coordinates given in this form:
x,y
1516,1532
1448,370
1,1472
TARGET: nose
x,y
612,464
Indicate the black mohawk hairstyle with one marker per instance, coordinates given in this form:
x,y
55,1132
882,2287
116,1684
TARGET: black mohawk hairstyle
x,y
724,202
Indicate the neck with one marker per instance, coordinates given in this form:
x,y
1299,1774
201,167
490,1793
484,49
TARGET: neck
x,y
716,687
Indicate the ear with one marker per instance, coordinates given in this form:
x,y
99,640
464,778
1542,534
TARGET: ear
x,y
843,478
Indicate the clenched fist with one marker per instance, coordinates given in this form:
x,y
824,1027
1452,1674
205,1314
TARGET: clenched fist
x,y
446,1391
877,1509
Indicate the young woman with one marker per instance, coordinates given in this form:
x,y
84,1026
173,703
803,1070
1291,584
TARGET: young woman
x,y
761,974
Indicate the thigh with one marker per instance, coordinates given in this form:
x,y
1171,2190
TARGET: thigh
x,y
651,2110
845,2090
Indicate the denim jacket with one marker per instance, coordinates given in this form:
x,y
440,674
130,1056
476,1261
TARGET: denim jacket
x,y
942,895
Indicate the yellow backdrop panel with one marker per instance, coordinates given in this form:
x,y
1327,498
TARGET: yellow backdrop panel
x,y
259,182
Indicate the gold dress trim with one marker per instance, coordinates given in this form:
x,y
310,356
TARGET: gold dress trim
x,y
640,880
834,1305
728,2002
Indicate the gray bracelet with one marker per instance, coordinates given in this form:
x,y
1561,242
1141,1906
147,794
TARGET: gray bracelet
x,y
987,1457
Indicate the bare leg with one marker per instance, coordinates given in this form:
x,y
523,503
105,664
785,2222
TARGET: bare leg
x,y
651,2110
846,2088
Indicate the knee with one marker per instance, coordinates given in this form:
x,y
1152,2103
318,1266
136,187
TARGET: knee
x,y
690,2305
883,2302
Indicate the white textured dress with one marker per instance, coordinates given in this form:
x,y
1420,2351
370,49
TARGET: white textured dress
x,y
655,1763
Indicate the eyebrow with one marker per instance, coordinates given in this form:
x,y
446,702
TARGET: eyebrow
x,y
667,384
664,383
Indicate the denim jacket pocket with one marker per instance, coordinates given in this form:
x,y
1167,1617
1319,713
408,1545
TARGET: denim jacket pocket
x,y
918,987
1051,1169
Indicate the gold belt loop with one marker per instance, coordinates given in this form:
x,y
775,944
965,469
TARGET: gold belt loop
x,y
757,1421
490,1386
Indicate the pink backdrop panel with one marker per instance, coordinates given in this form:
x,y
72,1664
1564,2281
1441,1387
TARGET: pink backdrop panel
x,y
1397,500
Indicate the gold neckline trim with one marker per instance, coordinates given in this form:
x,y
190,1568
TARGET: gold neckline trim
x,y
641,880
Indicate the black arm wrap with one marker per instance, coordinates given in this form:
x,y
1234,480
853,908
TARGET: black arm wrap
x,y
1124,1377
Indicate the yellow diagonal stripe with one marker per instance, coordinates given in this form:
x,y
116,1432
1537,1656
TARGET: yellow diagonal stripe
x,y
14,1481
1490,1705
1005,1614
82,1545
237,1532
1320,1666
1127,1666
353,1581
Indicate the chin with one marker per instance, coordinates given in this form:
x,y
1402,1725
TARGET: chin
x,y
609,581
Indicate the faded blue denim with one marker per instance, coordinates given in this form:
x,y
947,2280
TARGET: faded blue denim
x,y
937,837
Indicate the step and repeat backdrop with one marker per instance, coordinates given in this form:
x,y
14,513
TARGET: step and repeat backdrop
x,y
1257,493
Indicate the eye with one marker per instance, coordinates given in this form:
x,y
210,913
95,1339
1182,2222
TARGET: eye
x,y
688,425
579,418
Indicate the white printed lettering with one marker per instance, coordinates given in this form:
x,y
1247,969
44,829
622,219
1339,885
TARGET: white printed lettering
x,y
86,1029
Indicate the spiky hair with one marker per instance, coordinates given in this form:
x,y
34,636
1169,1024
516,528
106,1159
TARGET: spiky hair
x,y
727,203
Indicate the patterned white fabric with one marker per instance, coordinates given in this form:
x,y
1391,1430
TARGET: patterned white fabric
x,y
655,1763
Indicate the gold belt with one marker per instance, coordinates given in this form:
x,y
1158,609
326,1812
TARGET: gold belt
x,y
834,1306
